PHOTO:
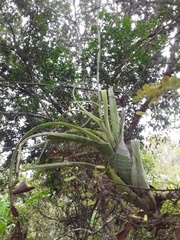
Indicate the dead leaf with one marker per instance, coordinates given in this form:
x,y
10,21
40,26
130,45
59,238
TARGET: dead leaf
x,y
124,232
22,188
14,211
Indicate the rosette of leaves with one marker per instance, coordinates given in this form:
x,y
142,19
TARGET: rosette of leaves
x,y
123,168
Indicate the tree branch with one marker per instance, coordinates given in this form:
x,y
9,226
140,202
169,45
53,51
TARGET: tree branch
x,y
25,114
135,121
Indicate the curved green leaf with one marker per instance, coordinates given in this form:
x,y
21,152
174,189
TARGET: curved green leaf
x,y
138,175
106,118
114,114
122,160
103,147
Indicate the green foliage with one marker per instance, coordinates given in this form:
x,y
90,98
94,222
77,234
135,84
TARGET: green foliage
x,y
166,154
4,211
35,66
149,162
118,42
40,195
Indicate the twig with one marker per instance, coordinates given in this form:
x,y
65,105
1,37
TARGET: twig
x,y
25,113
107,222
75,230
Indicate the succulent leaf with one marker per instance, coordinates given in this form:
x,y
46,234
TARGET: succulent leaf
x,y
138,175
122,160
113,114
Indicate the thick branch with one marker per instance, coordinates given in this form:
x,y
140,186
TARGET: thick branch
x,y
135,121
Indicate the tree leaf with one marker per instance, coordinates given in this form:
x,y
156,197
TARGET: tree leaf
x,y
88,202
87,194
136,99
140,113
154,99
69,178
140,93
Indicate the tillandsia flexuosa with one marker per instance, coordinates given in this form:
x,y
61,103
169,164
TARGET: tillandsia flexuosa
x,y
108,140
